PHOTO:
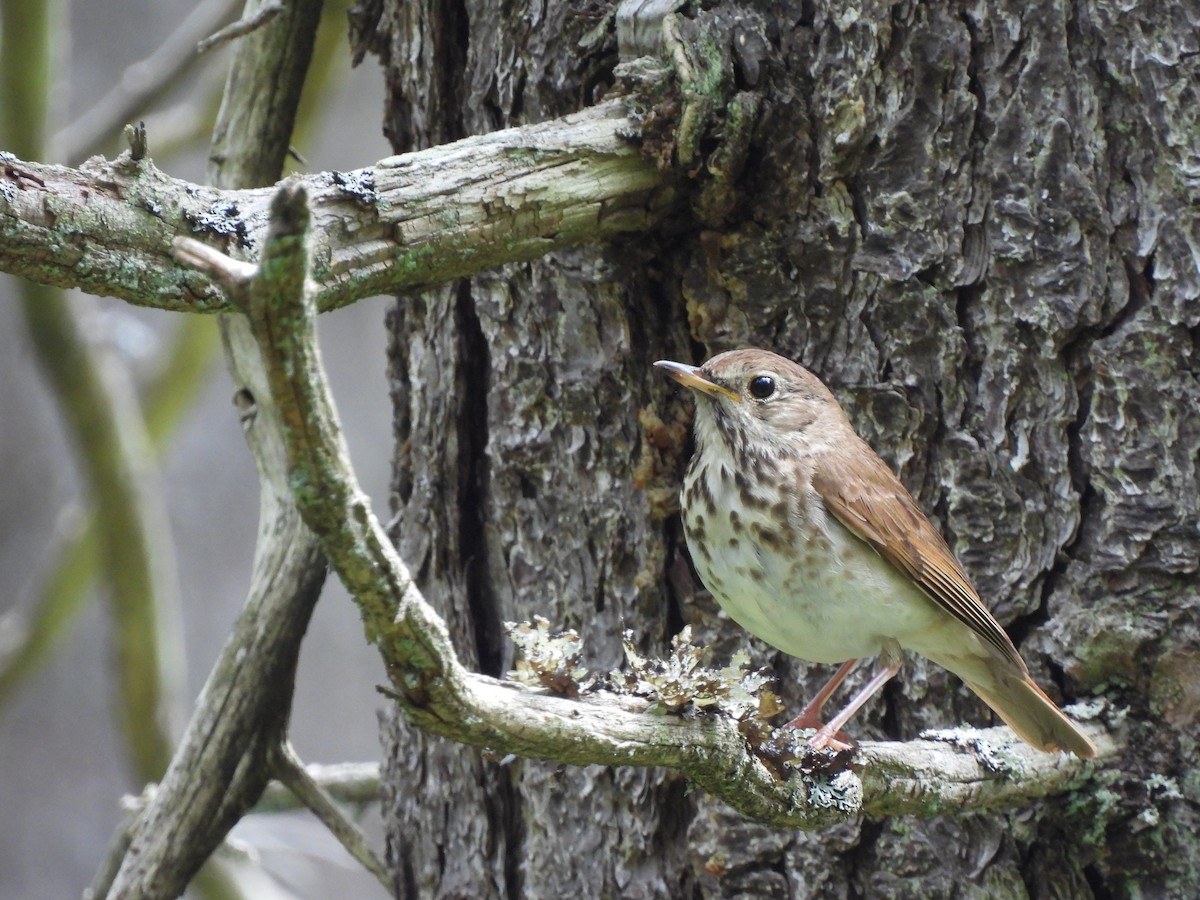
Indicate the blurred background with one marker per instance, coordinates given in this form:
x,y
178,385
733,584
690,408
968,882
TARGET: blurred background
x,y
63,763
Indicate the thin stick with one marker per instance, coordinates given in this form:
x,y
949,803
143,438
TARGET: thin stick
x,y
241,27
291,772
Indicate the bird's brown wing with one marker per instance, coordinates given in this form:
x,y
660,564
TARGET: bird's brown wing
x,y
864,495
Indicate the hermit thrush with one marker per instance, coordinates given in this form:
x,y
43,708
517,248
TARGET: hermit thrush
x,y
809,541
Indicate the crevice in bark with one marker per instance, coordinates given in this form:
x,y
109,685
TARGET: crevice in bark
x,y
798,79
1015,55
883,369
1073,37
472,385
678,812
814,161
518,102
939,503
400,389
404,878
594,69
441,861
601,585
1096,883
1076,468
980,125
779,865
808,16
1091,504
858,208
861,857
510,828
967,298
456,38
893,698
439,69
1141,294
1148,277
1192,362
1022,626
678,576
1075,354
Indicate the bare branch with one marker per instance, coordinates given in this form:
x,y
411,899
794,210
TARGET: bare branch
x,y
344,783
242,27
232,274
407,222
292,773
347,783
111,864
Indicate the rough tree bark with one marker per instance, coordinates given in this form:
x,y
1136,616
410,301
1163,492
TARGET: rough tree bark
x,y
977,222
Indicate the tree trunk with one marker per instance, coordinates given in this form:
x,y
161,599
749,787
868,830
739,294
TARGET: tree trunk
x,y
977,224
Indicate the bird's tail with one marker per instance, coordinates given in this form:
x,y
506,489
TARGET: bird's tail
x,y
1024,707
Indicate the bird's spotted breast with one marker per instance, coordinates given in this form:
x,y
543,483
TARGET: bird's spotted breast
x,y
781,567
771,537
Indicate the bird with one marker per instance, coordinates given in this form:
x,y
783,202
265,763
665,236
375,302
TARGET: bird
x,y
808,540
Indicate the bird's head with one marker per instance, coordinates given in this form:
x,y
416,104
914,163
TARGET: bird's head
x,y
754,399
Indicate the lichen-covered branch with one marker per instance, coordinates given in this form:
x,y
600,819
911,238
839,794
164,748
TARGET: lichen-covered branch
x,y
407,222
956,772
988,770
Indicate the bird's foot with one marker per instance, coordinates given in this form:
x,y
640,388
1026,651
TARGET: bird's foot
x,y
806,719
839,741
824,739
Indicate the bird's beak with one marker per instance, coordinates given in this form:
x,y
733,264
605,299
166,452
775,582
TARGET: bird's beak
x,y
693,377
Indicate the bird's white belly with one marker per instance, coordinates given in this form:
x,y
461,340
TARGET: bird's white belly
x,y
826,599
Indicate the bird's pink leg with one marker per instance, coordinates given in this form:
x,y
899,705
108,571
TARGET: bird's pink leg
x,y
826,736
810,716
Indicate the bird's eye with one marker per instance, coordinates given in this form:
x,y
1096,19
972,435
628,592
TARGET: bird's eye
x,y
762,387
